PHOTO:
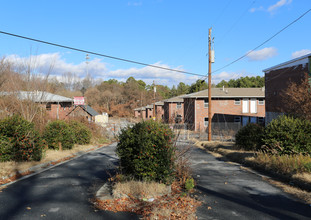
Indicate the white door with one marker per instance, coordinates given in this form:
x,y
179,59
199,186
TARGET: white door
x,y
253,105
245,106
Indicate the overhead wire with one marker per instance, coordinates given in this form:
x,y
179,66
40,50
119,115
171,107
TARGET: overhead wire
x,y
236,22
99,54
270,38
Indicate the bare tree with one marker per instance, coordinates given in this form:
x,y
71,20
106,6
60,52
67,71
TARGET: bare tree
x,y
297,99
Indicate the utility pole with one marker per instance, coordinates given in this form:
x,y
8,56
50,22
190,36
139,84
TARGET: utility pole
x,y
154,100
209,86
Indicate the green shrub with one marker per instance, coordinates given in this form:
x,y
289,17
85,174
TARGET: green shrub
x,y
82,134
250,137
23,142
146,151
5,149
288,135
59,132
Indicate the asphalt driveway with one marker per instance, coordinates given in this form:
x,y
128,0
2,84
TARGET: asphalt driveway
x,y
62,192
229,192
65,191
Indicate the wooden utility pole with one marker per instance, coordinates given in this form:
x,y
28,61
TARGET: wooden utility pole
x,y
209,86
154,100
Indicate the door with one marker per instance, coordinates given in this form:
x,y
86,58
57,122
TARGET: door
x,y
245,106
253,105
245,120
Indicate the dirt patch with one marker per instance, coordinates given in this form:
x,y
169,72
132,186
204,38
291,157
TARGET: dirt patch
x,y
298,184
150,200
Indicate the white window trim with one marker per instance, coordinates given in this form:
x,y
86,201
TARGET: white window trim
x,y
237,102
261,102
205,103
205,125
178,105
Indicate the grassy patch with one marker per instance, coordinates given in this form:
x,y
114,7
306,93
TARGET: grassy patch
x,y
140,189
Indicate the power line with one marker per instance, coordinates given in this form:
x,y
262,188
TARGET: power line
x,y
99,54
229,64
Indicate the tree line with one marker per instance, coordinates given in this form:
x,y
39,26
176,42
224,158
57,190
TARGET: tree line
x,y
115,97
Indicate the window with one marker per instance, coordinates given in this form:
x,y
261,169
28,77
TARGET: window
x,y
261,101
237,119
178,105
48,107
205,103
237,101
205,122
261,120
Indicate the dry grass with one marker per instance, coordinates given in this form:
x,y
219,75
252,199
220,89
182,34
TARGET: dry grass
x,y
8,168
284,164
168,206
140,189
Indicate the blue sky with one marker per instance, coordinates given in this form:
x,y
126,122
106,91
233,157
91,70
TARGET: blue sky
x,y
169,33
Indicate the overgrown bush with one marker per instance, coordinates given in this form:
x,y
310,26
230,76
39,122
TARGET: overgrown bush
x,y
19,140
146,151
5,149
59,132
82,134
250,137
288,135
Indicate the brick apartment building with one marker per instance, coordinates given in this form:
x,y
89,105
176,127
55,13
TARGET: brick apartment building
x,y
236,105
277,80
57,107
140,112
174,110
159,108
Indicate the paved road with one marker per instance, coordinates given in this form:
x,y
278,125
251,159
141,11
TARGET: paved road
x,y
234,193
63,192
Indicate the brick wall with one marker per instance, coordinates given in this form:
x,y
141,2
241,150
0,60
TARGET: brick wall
x,y
159,112
220,106
277,81
149,113
171,111
61,110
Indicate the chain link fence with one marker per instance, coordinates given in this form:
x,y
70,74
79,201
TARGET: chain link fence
x,y
221,131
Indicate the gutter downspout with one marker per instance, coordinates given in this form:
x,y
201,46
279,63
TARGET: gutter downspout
x,y
195,115
57,116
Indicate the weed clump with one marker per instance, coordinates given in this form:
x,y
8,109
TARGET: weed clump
x,y
146,152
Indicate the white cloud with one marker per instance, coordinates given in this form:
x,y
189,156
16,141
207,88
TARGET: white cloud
x,y
300,53
98,69
277,5
272,8
262,54
252,10
148,74
225,76
54,64
135,4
